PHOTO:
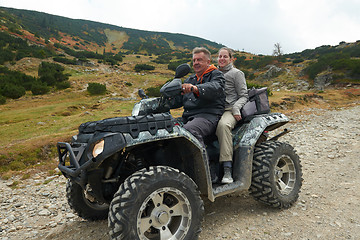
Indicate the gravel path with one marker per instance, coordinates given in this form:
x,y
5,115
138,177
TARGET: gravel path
x,y
328,143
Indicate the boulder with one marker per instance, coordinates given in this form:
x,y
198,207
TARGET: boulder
x,y
272,72
323,80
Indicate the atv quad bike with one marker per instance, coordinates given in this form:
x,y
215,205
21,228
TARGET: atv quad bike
x,y
147,174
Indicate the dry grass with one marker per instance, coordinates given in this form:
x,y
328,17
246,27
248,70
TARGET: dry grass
x,y
329,99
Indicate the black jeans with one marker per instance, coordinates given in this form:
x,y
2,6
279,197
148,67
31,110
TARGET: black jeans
x,y
201,128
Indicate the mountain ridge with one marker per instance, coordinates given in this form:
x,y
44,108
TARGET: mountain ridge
x,y
56,28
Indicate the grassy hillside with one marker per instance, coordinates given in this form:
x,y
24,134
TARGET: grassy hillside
x,y
94,36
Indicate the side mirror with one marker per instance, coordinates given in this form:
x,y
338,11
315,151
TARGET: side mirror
x,y
182,70
142,94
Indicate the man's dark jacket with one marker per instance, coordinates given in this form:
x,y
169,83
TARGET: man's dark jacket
x,y
209,103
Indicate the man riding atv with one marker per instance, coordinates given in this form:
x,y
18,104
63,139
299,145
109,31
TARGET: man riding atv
x,y
148,174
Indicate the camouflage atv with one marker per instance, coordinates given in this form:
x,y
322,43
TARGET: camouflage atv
x,y
147,174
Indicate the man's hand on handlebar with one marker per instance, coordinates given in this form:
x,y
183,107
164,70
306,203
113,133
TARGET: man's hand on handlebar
x,y
188,87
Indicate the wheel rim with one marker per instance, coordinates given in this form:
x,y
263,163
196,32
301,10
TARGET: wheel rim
x,y
285,174
164,214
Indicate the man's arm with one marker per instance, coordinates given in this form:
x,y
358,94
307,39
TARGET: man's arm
x,y
214,88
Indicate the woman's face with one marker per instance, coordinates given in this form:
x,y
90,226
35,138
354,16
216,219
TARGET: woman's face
x,y
223,58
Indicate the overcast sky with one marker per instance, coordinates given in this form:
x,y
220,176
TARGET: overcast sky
x,y
250,25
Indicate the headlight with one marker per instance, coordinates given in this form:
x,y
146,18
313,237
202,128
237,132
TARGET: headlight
x,y
136,109
98,148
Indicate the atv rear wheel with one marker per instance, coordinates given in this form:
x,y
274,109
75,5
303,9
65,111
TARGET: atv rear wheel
x,y
159,203
276,174
83,204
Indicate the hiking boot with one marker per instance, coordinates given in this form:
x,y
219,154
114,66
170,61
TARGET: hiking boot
x,y
227,178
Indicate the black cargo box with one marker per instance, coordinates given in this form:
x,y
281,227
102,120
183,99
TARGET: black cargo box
x,y
132,125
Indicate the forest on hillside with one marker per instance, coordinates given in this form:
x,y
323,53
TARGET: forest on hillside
x,y
50,26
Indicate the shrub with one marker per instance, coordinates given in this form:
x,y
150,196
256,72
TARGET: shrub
x,y
63,85
153,91
174,65
12,91
52,73
39,88
111,61
297,60
2,99
64,60
96,88
140,67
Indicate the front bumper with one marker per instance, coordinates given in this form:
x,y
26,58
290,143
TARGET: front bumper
x,y
69,157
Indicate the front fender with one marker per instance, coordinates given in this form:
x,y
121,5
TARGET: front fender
x,y
189,147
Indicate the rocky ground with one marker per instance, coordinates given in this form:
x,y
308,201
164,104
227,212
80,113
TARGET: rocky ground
x,y
328,143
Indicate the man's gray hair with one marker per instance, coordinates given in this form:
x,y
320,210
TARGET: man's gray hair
x,y
202,50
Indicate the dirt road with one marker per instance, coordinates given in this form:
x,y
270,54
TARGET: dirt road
x,y
328,143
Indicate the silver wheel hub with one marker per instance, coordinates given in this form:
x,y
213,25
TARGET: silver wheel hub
x,y
279,174
285,174
164,214
163,218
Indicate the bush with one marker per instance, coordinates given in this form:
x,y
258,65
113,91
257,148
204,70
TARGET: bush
x,y
96,89
248,75
64,60
140,67
39,88
63,85
12,91
2,99
52,73
153,91
174,65
298,60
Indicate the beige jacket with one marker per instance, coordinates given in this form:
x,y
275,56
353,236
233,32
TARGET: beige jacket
x,y
235,89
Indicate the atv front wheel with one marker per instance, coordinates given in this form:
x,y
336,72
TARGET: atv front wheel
x,y
159,203
276,174
83,204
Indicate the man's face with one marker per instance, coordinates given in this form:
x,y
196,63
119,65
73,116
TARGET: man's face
x,y
200,63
